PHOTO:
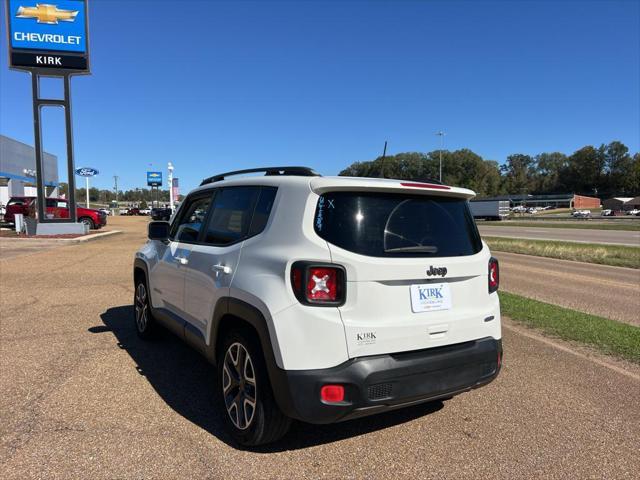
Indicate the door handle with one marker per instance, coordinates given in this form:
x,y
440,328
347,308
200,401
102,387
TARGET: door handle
x,y
181,260
221,268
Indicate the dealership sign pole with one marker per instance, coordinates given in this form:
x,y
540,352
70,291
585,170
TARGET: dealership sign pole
x,y
50,40
154,179
87,173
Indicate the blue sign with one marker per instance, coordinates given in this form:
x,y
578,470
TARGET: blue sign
x,y
38,26
56,29
154,179
86,172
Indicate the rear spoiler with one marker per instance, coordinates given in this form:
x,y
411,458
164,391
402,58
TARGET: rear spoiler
x,y
353,184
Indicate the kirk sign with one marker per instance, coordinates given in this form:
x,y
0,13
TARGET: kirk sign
x,y
48,36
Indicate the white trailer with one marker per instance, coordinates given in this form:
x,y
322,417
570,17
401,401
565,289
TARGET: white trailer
x,y
489,209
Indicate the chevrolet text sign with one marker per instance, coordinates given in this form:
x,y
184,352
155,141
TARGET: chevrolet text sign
x,y
48,34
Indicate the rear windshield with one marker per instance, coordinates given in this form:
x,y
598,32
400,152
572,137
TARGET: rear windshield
x,y
18,201
397,225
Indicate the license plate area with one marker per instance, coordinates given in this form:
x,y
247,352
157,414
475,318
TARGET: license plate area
x,y
430,297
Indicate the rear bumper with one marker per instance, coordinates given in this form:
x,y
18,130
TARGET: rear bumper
x,y
384,382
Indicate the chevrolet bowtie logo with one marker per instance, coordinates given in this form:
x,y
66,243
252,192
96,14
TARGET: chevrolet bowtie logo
x,y
47,14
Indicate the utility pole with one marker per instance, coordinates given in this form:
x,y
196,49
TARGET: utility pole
x,y
441,134
384,156
115,178
87,189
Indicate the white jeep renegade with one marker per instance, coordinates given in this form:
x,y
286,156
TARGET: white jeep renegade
x,y
323,299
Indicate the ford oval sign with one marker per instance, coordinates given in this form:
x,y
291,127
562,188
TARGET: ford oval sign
x,y
86,172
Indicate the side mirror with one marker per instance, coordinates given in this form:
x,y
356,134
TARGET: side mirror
x,y
158,231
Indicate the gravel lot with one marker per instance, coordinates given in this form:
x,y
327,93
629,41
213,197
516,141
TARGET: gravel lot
x,y
82,397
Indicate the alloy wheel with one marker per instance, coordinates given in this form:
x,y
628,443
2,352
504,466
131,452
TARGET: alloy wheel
x,y
239,386
142,314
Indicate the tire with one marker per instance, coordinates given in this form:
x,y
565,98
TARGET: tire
x,y
250,413
143,320
88,221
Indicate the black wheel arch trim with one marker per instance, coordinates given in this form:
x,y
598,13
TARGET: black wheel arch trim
x,y
139,263
253,316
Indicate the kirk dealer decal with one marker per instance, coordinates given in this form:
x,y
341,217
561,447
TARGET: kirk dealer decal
x,y
48,35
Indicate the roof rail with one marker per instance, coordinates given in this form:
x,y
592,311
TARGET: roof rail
x,y
268,171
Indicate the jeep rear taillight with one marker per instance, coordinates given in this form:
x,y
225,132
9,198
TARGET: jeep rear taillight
x,y
318,284
494,275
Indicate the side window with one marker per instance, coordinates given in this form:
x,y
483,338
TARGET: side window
x,y
188,227
262,210
231,215
50,202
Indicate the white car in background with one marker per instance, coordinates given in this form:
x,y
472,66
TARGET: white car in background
x,y
581,214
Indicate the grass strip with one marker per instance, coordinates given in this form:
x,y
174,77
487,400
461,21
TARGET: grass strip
x,y
614,255
631,226
609,336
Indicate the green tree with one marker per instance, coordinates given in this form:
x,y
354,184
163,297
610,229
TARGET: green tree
x,y
549,168
519,174
619,169
585,170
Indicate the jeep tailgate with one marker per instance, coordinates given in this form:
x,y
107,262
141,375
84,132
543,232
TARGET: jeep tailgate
x,y
416,269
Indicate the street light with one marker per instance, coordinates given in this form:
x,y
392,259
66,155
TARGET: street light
x,y
170,181
441,134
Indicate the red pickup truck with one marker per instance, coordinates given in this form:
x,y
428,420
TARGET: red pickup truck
x,y
58,208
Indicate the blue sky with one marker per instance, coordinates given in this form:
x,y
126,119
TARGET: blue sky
x,y
215,86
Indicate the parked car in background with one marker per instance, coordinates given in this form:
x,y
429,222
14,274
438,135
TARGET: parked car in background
x,y
161,213
56,208
133,211
145,211
581,214
635,211
607,213
106,211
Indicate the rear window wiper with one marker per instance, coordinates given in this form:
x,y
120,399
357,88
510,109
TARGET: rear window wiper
x,y
415,249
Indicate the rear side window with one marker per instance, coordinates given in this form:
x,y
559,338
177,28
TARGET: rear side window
x,y
397,225
262,210
231,215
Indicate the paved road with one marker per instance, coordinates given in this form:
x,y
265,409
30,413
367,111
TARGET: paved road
x,y
617,237
611,292
82,397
